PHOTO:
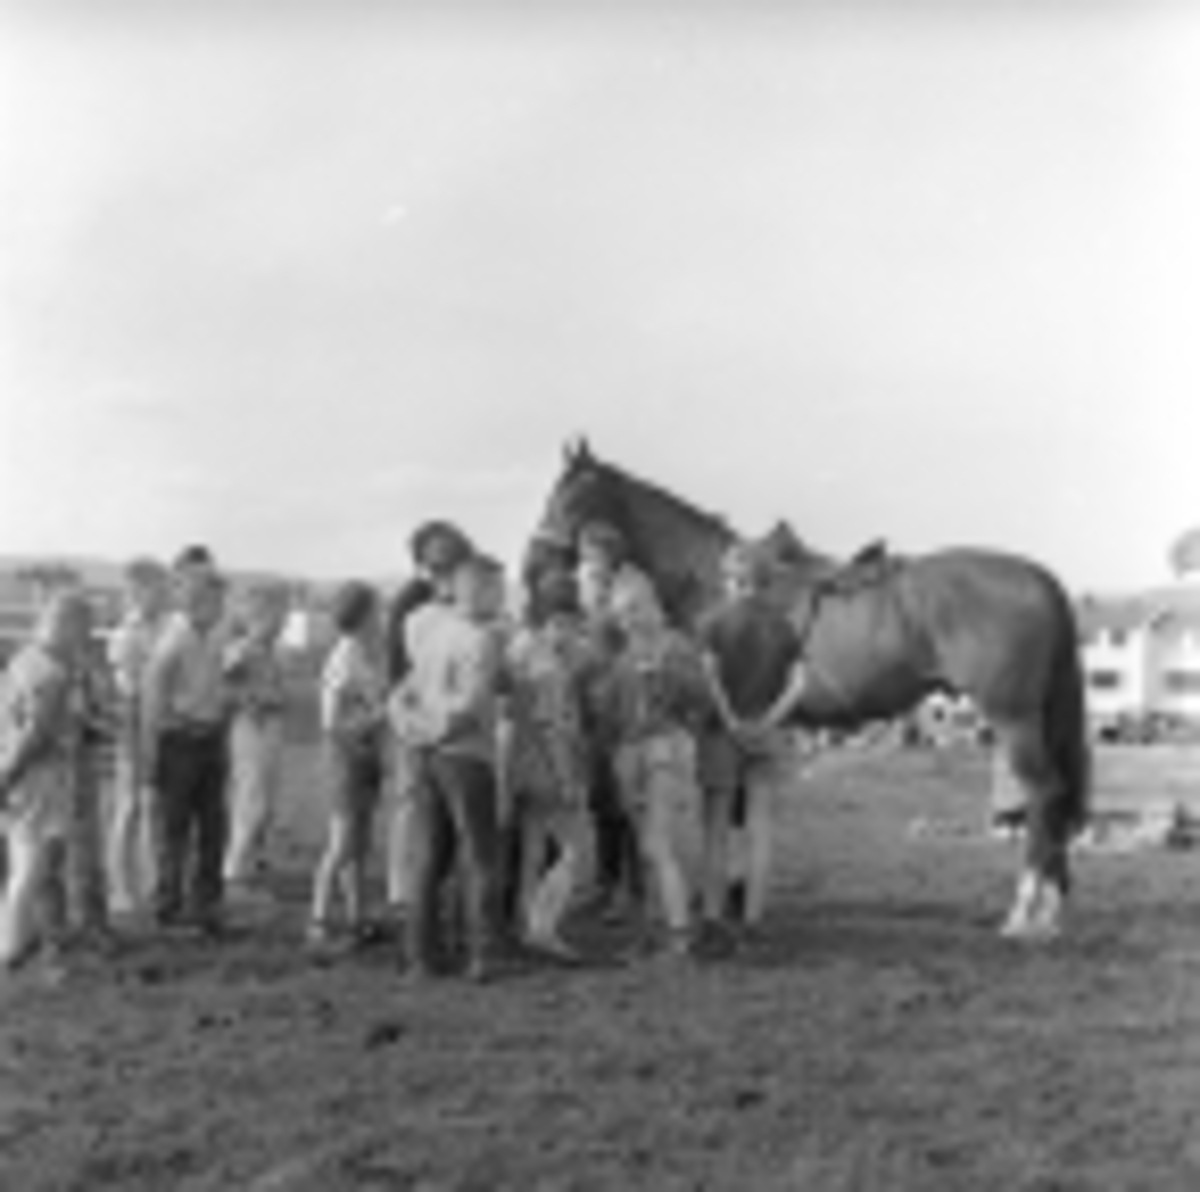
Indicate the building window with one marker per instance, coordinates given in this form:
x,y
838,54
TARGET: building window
x,y
1183,682
1104,680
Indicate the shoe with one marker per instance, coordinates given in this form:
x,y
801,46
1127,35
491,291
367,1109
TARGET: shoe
x,y
418,976
248,894
318,934
715,939
367,935
481,971
209,928
169,920
498,961
49,967
680,945
553,948
641,948
100,941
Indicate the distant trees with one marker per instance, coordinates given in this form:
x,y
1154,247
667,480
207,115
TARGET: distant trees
x,y
41,579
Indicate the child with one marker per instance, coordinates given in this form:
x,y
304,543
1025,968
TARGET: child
x,y
752,656
549,666
130,836
607,575
254,672
352,718
655,696
436,548
452,721
185,749
80,881
38,732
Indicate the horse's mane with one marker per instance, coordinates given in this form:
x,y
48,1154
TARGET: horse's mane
x,y
675,506
676,543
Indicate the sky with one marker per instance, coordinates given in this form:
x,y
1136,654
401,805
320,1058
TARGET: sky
x,y
291,278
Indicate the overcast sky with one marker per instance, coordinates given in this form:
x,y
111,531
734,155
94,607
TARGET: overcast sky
x,y
290,278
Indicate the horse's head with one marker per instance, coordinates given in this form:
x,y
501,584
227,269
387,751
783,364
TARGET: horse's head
x,y
677,545
586,491
583,493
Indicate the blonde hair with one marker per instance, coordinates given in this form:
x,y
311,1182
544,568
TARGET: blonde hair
x,y
66,604
750,562
637,600
144,571
267,596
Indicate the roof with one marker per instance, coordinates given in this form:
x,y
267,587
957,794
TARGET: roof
x,y
1097,614
1159,609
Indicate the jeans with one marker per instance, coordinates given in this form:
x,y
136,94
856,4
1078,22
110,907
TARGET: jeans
x,y
454,817
256,768
191,822
617,867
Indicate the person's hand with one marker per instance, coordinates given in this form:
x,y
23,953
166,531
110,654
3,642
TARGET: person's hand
x,y
753,737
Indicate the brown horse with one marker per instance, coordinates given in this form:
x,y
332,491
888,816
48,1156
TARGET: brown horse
x,y
880,633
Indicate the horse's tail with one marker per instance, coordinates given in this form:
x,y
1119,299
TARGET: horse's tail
x,y
1066,725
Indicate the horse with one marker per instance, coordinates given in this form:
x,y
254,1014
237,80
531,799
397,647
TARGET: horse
x,y
880,633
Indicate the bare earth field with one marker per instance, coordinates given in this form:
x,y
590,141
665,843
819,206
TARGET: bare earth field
x,y
880,1037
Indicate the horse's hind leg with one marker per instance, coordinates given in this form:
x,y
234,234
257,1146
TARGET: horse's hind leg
x,y
1042,887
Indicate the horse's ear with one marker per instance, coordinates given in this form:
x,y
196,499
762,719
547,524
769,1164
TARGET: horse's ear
x,y
584,450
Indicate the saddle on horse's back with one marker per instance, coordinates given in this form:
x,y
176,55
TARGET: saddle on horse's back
x,y
869,566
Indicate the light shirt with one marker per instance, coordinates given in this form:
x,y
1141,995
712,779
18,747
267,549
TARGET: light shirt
x,y
185,683
38,736
254,671
452,687
352,691
129,651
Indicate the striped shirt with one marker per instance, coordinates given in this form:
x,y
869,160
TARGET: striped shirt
x,y
185,683
352,692
254,671
38,736
548,670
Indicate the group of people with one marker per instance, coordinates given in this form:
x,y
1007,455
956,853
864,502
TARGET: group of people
x,y
139,771
583,751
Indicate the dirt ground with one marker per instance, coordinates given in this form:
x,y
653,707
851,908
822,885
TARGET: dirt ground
x,y
879,1037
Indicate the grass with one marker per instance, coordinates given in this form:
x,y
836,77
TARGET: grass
x,y
879,1037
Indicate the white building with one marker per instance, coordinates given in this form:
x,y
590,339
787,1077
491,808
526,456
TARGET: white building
x,y
1141,653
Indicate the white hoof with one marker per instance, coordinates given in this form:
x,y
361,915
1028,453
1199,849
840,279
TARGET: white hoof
x,y
1031,930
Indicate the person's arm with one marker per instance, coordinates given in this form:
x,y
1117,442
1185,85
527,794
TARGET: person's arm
x,y
332,699
236,659
159,681
794,688
785,703
710,668
413,596
409,724
475,676
123,657
44,716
